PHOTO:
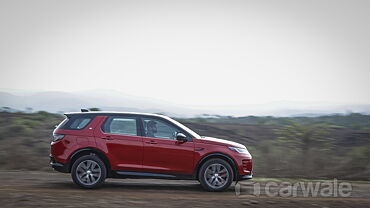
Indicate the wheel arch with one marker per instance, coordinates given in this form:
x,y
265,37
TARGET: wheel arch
x,y
88,151
219,155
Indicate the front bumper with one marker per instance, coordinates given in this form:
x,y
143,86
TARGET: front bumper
x,y
245,177
58,166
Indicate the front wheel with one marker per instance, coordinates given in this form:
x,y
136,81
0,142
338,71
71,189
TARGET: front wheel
x,y
216,175
89,171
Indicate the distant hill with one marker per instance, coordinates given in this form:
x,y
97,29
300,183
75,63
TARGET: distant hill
x,y
353,120
55,101
65,102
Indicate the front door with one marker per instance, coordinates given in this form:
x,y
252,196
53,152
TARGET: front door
x,y
162,152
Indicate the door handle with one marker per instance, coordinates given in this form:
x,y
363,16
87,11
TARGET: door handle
x,y
151,142
107,138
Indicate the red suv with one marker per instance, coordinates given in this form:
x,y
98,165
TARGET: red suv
x,y
93,146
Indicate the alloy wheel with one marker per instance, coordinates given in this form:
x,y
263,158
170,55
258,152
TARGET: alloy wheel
x,y
88,172
216,175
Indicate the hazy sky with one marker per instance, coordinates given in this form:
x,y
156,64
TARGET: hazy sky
x,y
190,52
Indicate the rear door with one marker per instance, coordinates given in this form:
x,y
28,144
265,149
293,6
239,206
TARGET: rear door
x,y
119,138
162,152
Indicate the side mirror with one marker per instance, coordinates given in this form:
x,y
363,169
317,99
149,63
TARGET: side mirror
x,y
181,137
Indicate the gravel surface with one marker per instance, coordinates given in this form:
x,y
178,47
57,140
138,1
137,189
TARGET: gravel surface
x,y
51,189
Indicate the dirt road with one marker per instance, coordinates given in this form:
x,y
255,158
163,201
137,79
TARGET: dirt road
x,y
44,189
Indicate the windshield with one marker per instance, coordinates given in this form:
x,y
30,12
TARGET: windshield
x,y
195,135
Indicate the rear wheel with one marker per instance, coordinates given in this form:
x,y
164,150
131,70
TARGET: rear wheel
x,y
89,171
216,175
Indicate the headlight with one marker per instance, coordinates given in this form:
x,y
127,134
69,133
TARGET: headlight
x,y
57,137
240,150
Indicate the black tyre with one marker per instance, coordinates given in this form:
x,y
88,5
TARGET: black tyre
x,y
216,175
89,171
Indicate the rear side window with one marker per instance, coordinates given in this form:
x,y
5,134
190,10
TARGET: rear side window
x,y
121,126
75,122
80,123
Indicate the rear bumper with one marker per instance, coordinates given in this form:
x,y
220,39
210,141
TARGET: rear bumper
x,y
58,166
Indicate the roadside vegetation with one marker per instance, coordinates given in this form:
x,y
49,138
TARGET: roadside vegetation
x,y
336,146
325,147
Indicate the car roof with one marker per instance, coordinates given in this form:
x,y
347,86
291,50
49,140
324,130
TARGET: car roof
x,y
112,113
108,113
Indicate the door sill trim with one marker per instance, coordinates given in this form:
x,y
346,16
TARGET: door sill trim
x,y
145,174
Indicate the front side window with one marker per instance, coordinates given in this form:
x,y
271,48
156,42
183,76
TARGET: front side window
x,y
121,126
159,129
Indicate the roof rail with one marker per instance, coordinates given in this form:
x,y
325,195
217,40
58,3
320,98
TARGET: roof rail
x,y
84,110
